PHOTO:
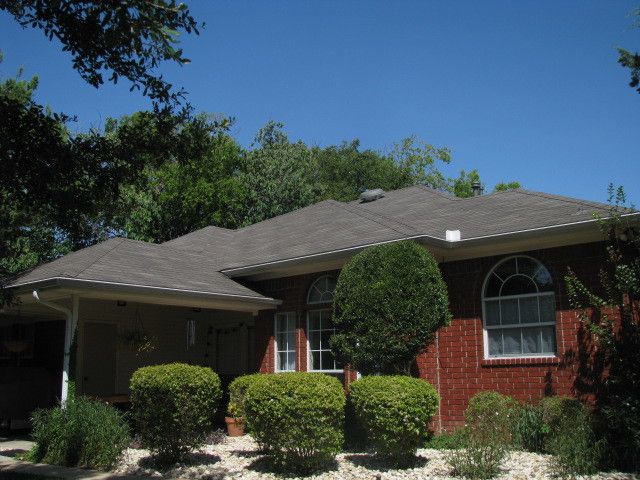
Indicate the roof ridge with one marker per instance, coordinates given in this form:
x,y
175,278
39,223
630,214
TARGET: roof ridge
x,y
328,200
559,197
373,216
122,239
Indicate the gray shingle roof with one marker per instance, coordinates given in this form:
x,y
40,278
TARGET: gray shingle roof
x,y
193,261
135,263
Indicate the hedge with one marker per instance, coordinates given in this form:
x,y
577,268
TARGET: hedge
x,y
174,407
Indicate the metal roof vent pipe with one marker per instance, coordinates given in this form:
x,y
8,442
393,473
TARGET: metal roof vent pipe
x,y
371,195
477,188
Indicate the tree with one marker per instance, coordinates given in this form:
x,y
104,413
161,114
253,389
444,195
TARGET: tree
x,y
631,60
389,302
463,185
121,38
610,312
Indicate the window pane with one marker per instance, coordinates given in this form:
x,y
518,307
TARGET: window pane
x,y
492,312
518,285
315,361
547,309
512,342
291,340
324,338
281,339
314,320
548,339
291,361
327,360
291,322
509,311
506,269
531,340
543,279
529,310
282,361
314,340
495,342
527,266
493,286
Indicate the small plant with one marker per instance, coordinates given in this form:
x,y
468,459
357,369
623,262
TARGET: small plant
x,y
394,412
447,441
530,429
237,392
174,407
86,433
297,418
571,439
487,436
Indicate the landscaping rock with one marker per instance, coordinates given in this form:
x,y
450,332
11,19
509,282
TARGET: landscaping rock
x,y
239,457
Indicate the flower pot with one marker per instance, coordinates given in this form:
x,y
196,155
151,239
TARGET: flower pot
x,y
235,426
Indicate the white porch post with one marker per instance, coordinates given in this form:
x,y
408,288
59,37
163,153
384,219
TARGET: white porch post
x,y
71,321
69,330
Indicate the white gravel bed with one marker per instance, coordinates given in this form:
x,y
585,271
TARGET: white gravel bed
x,y
238,457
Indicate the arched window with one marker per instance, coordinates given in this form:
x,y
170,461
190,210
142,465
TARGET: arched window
x,y
518,307
321,290
320,327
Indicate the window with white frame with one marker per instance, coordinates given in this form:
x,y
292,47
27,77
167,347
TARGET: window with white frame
x,y
285,336
321,290
518,307
319,331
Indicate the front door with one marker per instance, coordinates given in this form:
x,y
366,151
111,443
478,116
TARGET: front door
x,y
99,376
230,349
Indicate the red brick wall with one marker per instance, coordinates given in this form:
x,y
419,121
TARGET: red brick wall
x,y
455,362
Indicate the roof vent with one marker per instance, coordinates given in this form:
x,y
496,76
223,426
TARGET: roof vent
x,y
477,188
452,235
371,195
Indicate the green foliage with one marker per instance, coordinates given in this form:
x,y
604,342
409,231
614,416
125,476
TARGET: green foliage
x,y
395,412
571,440
128,40
297,418
631,60
530,429
238,391
388,303
86,433
447,441
610,311
174,407
487,435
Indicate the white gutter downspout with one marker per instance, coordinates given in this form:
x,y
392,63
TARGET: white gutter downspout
x,y
70,328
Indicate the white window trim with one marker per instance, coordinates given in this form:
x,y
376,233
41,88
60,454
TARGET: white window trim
x,y
341,370
317,280
486,328
276,363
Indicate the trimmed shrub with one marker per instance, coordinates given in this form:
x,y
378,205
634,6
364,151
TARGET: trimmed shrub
x,y
86,433
237,392
571,439
487,435
297,418
174,407
394,411
529,429
388,303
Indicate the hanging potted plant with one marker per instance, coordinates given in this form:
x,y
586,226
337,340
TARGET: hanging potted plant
x,y
136,339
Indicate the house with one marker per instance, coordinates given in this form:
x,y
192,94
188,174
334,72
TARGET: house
x,y
259,299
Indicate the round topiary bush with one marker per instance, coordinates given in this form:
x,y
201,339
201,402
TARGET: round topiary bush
x,y
394,411
174,407
388,303
297,418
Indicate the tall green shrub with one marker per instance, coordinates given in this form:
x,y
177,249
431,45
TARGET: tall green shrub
x,y
571,438
394,412
237,394
174,407
298,418
488,435
388,303
86,433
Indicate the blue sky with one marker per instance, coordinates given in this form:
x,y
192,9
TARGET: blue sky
x,y
517,89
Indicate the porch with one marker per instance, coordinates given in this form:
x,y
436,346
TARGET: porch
x,y
113,337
